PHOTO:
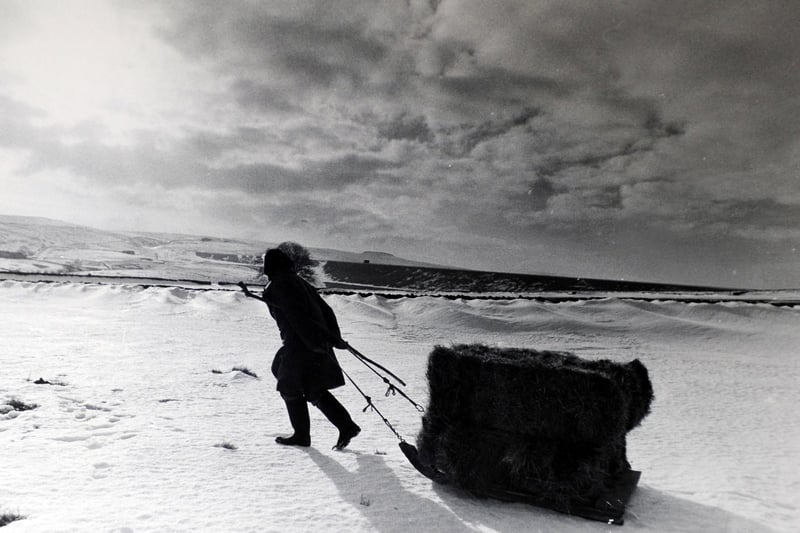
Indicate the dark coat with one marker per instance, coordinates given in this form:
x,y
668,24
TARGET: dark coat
x,y
305,364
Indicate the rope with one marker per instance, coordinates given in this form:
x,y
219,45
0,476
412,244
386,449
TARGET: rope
x,y
371,405
364,359
392,389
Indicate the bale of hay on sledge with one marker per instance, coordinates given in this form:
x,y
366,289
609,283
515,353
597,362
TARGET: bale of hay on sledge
x,y
549,424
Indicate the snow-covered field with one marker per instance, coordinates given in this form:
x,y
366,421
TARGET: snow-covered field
x,y
128,437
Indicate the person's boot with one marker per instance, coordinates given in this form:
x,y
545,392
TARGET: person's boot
x,y
298,416
339,417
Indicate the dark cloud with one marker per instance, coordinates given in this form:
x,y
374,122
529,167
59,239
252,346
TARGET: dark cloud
x,y
765,218
603,198
319,53
209,145
187,163
460,140
333,174
315,45
351,169
403,126
330,220
540,193
257,96
526,123
503,85
257,178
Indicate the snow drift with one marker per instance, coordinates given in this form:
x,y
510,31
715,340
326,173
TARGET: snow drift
x,y
130,434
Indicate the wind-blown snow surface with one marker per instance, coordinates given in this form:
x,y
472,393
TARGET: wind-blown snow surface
x,y
128,437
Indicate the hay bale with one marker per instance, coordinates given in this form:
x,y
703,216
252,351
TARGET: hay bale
x,y
547,423
634,381
481,460
537,392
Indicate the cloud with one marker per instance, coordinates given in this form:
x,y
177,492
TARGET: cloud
x,y
261,97
309,42
529,124
764,219
541,191
460,140
321,176
403,126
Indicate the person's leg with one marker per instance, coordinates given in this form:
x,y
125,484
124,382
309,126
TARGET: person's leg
x,y
298,416
339,417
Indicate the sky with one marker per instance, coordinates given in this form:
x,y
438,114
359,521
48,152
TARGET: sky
x,y
638,140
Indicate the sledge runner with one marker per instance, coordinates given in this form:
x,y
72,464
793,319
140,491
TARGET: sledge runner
x,y
305,366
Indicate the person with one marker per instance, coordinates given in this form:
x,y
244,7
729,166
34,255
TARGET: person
x,y
305,366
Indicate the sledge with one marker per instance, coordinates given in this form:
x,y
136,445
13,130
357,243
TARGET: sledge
x,y
608,506
536,427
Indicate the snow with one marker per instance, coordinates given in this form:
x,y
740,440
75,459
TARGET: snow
x,y
35,245
128,437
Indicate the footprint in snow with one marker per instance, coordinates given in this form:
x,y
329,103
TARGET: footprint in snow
x,y
100,423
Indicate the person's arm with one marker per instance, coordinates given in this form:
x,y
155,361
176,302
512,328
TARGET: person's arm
x,y
248,293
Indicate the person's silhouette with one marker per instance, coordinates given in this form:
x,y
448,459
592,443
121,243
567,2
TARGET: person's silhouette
x,y
305,366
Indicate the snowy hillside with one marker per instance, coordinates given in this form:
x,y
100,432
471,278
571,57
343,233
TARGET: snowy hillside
x,y
40,245
144,426
48,249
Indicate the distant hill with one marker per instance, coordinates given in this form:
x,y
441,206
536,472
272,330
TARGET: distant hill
x,y
44,246
355,276
368,257
47,246
34,221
